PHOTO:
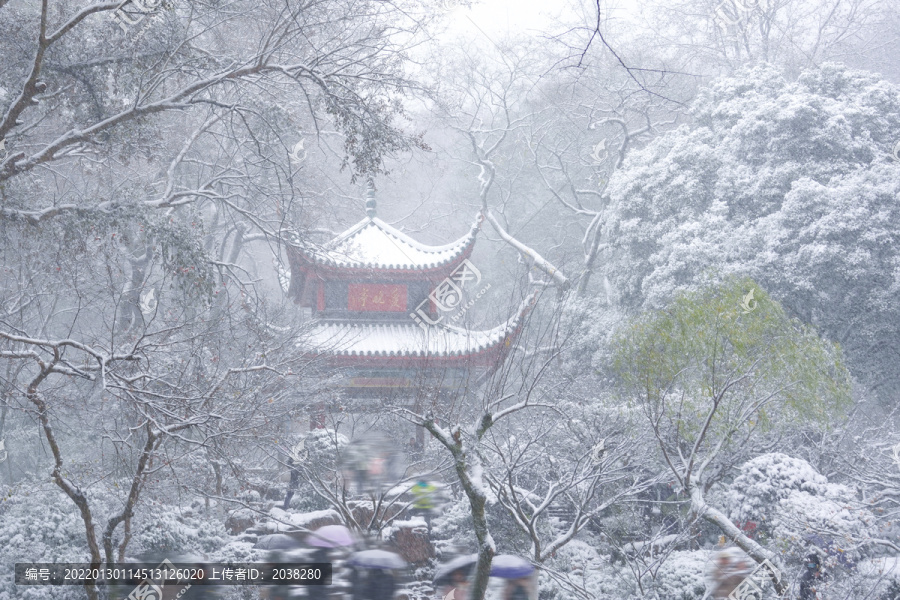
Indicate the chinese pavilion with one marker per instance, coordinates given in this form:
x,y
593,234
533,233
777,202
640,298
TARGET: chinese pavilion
x,y
384,308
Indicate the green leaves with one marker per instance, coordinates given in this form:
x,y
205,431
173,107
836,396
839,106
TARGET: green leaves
x,y
707,356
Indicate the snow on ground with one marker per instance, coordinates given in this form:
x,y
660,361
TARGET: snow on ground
x,y
285,521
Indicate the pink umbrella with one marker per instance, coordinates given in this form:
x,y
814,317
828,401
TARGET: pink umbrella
x,y
330,536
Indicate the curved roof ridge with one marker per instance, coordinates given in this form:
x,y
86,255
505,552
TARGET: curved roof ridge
x,y
513,321
353,338
372,243
393,231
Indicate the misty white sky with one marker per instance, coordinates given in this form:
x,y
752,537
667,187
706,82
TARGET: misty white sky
x,y
503,16
496,19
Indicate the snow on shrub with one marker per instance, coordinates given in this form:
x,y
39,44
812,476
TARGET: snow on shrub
x,y
39,525
791,501
801,514
166,530
580,565
765,480
682,575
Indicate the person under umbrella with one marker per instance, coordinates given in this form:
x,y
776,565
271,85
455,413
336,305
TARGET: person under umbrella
x,y
827,547
517,589
508,566
453,575
517,571
456,586
382,584
278,546
324,539
379,581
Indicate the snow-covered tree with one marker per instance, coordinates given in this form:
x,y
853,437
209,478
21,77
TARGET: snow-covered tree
x,y
140,164
792,183
793,506
716,371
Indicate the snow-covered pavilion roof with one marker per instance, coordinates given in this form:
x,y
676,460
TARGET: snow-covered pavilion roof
x,y
373,244
392,339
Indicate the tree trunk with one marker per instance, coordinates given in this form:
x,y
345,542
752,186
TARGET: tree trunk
x,y
701,509
485,546
468,470
71,490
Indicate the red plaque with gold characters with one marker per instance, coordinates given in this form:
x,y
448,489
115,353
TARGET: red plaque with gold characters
x,y
376,297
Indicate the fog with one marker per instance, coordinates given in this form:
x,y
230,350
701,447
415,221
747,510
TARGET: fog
x,y
439,299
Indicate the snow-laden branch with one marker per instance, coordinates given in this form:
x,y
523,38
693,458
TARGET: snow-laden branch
x,y
98,354
486,178
530,254
701,509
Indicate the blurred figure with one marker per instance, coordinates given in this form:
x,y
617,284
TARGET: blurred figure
x,y
454,575
202,592
730,567
318,592
357,585
424,501
382,584
812,579
459,583
275,591
361,472
292,485
372,461
414,449
517,589
372,584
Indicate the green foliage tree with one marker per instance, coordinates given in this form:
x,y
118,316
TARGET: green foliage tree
x,y
716,372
